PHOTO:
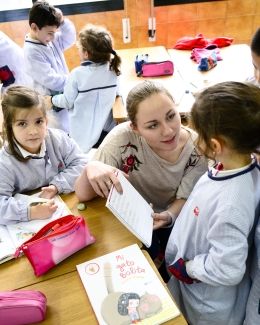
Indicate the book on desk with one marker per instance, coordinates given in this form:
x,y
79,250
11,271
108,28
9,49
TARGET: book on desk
x,y
14,235
124,289
132,210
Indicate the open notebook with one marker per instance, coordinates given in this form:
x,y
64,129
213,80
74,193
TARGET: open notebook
x,y
123,288
132,210
13,235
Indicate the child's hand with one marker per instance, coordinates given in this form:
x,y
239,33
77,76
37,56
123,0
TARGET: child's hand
x,y
161,219
60,14
43,210
48,102
48,192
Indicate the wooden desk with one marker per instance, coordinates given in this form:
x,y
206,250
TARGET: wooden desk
x,y
67,299
235,66
68,302
109,232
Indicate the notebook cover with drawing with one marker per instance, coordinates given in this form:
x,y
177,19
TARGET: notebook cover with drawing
x,y
13,235
123,288
132,210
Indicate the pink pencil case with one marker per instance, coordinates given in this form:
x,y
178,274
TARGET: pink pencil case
x,y
22,307
156,69
55,242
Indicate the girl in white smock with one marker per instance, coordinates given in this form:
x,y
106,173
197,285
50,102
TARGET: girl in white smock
x,y
91,88
208,248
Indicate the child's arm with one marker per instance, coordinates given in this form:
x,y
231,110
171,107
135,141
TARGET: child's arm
x,y
70,93
74,161
48,192
14,179
224,260
66,36
13,210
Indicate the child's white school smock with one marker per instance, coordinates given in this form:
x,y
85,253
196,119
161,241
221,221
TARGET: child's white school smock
x,y
89,94
12,56
46,63
47,66
211,232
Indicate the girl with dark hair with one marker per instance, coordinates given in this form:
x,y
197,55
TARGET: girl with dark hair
x,y
208,248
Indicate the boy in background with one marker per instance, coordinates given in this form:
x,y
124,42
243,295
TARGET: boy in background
x,y
12,63
50,34
255,53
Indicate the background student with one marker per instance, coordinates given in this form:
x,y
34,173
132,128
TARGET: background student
x,y
12,64
255,53
156,152
33,157
208,247
50,34
91,88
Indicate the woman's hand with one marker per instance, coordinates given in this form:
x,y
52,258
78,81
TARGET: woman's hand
x,y
102,177
163,219
43,210
48,192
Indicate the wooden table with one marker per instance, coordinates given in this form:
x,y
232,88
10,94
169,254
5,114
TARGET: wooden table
x,y
67,299
68,303
109,232
236,65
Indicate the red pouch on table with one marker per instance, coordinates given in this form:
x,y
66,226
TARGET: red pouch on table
x,y
55,242
156,69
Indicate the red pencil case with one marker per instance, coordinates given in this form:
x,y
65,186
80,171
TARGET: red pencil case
x,y
22,307
156,69
55,242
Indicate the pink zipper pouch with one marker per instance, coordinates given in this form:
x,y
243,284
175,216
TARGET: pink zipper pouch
x,y
55,242
156,69
22,307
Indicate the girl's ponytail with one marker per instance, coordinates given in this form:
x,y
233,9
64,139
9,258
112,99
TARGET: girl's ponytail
x,y
115,63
